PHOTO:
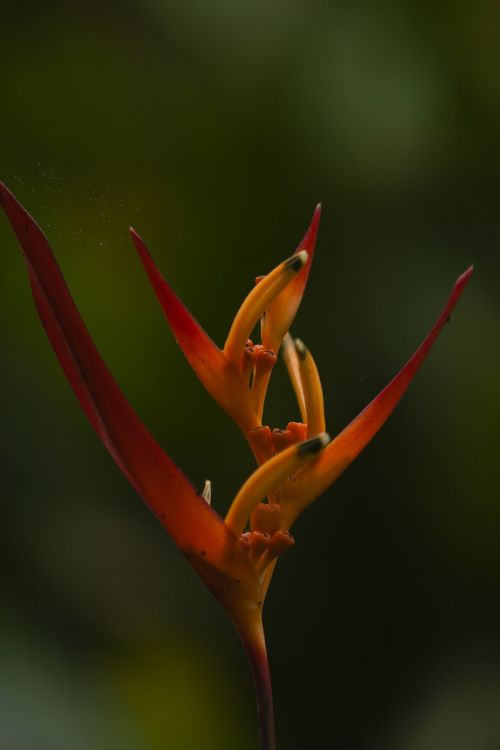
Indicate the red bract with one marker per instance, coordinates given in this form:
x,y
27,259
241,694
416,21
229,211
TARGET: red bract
x,y
235,556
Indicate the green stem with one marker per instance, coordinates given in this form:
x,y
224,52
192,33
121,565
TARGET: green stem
x,y
255,646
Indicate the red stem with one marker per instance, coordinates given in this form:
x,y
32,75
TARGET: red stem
x,y
255,646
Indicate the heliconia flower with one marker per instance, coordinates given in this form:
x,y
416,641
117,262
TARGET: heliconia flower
x,y
234,556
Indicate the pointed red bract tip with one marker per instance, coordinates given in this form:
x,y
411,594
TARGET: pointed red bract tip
x,y
350,442
197,346
354,438
309,242
282,311
461,283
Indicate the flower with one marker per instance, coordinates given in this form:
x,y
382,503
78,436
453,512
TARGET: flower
x,y
234,556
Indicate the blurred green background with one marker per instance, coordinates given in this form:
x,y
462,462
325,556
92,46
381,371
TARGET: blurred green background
x,y
214,128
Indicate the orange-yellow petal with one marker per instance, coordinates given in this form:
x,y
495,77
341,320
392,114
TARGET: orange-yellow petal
x,y
269,476
291,360
313,392
259,300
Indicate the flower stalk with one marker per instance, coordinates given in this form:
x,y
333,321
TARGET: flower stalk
x,y
254,644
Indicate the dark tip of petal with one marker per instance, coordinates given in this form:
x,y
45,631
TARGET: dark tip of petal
x,y
296,262
315,445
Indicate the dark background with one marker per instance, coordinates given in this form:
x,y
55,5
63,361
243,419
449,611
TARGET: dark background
x,y
214,128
